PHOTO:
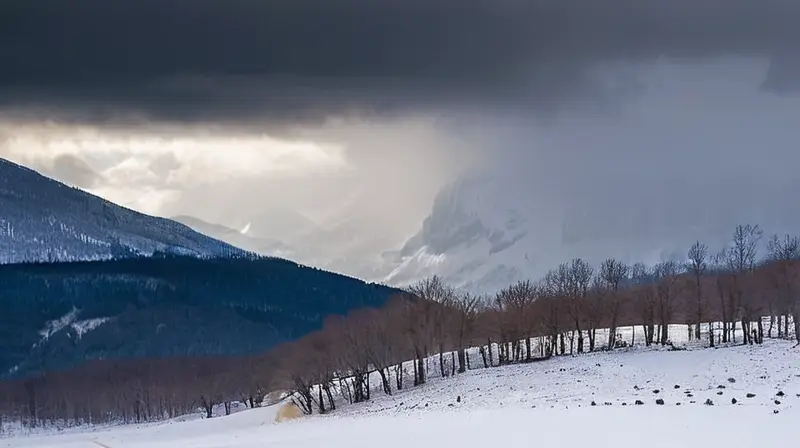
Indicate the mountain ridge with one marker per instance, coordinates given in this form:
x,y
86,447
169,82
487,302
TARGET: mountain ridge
x,y
42,219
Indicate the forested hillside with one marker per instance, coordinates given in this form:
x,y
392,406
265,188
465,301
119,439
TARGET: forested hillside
x,y
57,315
44,220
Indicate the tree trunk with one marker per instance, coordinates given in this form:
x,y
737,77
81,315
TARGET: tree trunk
x,y
797,328
227,408
760,327
441,361
421,368
327,388
771,324
321,401
529,355
745,333
398,375
711,334
387,388
612,334
491,355
724,327
462,360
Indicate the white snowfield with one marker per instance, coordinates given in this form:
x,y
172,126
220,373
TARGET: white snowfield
x,y
546,403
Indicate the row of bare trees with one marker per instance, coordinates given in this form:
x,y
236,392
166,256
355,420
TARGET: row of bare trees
x,y
135,391
433,328
557,315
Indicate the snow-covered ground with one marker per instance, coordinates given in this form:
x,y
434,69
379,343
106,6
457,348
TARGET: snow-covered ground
x,y
523,405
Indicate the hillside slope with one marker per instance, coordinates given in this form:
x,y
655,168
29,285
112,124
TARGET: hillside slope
x,y
57,315
44,220
509,405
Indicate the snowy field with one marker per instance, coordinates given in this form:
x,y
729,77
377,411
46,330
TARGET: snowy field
x,y
527,405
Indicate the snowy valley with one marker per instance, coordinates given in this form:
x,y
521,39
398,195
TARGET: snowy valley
x,y
661,397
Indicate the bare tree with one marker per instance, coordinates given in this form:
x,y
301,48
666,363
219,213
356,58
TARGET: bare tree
x,y
434,290
697,267
578,275
642,278
516,302
666,275
741,260
784,258
612,273
466,307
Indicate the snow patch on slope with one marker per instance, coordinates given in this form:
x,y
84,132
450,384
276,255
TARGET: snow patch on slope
x,y
85,326
54,326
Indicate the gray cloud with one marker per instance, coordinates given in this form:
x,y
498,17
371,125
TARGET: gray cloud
x,y
68,168
290,61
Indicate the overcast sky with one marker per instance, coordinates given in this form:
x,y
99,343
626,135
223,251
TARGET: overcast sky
x,y
224,109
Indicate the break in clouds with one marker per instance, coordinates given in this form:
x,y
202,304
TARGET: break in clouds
x,y
679,116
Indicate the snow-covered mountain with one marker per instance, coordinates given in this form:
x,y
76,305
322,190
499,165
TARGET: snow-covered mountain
x,y
44,220
485,232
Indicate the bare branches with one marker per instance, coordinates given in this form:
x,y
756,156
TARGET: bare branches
x,y
697,266
611,276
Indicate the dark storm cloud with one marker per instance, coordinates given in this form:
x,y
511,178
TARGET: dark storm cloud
x,y
301,60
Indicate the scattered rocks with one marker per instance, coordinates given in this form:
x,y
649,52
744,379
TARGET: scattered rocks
x,y
624,404
780,393
639,402
678,403
677,386
637,387
450,405
458,400
709,402
719,393
594,404
607,403
778,402
734,401
660,402
751,395
657,391
689,395
776,411
731,380
692,402
721,387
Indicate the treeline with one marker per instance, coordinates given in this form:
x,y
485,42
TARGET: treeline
x,y
135,391
575,308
